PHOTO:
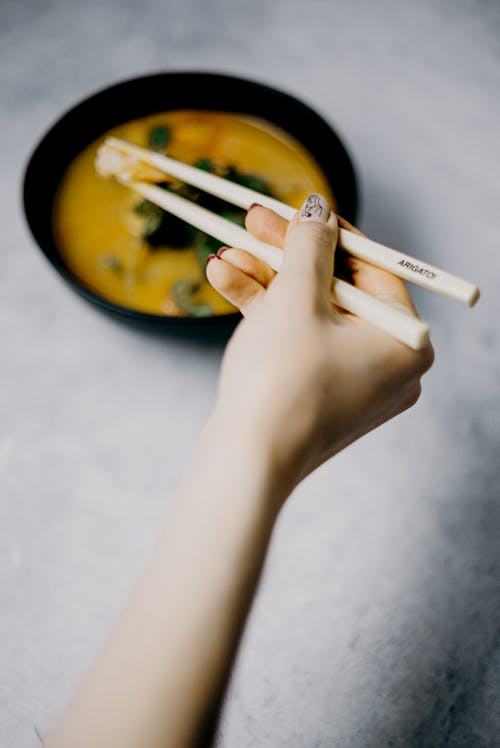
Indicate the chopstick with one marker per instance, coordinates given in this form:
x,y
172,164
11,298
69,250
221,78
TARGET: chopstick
x,y
400,264
409,330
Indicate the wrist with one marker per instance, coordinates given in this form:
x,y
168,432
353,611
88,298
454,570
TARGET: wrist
x,y
252,443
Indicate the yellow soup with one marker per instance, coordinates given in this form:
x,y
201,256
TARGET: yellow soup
x,y
102,227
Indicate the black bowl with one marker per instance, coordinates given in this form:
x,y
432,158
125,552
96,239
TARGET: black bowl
x,y
161,92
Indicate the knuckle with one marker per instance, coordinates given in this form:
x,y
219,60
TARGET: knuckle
x,y
320,234
413,397
427,358
409,363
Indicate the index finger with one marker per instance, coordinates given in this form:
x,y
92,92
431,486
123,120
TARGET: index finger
x,y
266,225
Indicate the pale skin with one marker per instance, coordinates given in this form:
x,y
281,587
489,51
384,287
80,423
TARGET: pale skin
x,y
300,380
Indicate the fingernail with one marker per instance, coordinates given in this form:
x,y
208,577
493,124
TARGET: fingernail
x,y
314,208
210,257
221,250
254,205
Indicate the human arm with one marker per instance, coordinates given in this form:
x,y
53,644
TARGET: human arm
x,y
299,381
160,679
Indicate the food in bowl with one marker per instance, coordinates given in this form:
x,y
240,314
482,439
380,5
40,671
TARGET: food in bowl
x,y
136,255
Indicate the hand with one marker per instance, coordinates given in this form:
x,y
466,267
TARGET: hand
x,y
300,376
300,379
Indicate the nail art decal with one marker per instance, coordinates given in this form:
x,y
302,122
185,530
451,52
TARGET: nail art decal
x,y
315,208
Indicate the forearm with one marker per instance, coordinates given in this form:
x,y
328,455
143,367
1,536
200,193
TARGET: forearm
x,y
167,662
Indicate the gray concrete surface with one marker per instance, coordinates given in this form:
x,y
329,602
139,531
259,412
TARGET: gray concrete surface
x,y
377,620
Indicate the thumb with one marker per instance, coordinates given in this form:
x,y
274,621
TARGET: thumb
x,y
310,242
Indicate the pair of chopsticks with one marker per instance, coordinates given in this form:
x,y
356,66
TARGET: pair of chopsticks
x,y
409,330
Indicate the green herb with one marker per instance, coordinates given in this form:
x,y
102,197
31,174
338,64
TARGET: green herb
x,y
159,138
205,245
111,262
206,164
236,215
183,292
153,217
143,208
248,180
171,232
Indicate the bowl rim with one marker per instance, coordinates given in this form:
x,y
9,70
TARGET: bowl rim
x,y
31,168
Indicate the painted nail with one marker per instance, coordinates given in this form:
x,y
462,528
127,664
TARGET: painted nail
x,y
221,250
314,208
254,205
210,257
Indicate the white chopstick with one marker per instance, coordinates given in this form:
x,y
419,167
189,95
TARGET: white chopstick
x,y
397,263
409,330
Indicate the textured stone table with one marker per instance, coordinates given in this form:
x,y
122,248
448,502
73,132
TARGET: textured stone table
x,y
377,620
